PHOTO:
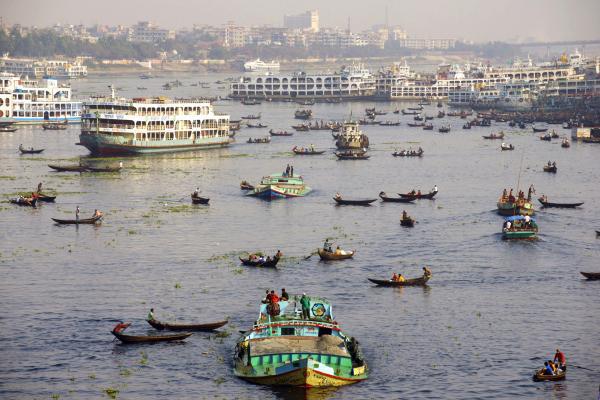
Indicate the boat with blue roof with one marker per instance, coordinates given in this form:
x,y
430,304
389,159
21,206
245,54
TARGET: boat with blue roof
x,y
280,186
297,342
519,227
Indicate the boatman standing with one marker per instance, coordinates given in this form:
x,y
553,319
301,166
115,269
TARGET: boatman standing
x,y
562,360
77,214
150,315
305,302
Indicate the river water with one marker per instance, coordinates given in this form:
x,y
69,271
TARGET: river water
x,y
493,312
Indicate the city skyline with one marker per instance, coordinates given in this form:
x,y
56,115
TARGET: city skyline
x,y
536,20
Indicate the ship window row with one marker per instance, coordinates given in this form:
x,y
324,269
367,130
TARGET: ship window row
x,y
150,111
154,125
298,87
44,114
47,107
180,135
300,93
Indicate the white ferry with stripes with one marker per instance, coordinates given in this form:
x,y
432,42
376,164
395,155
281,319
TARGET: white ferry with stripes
x,y
116,126
26,101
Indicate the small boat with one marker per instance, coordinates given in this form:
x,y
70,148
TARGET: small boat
x,y
592,276
352,155
404,112
408,222
422,281
186,327
444,129
303,114
24,201
54,126
554,135
301,128
259,125
467,126
250,102
428,127
307,151
80,221
519,228
537,129
68,168
362,202
30,151
268,263
409,153
429,195
546,137
251,116
7,129
259,140
280,133
46,199
246,186
539,376
565,143
494,136
196,199
389,123
384,197
332,255
546,203
505,146
415,108
150,339
550,168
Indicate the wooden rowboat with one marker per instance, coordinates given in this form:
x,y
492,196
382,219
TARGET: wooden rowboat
x,y
27,202
395,199
408,222
559,205
422,281
186,327
272,263
326,255
550,168
344,202
68,168
150,339
308,152
540,377
592,276
30,151
80,221
199,200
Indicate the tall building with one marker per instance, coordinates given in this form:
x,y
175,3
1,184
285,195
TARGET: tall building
x,y
147,32
307,21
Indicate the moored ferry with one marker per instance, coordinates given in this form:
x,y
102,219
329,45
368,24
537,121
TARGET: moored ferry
x,y
280,186
26,101
353,82
115,126
290,348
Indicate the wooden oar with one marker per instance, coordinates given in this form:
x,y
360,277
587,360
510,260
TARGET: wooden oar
x,y
577,366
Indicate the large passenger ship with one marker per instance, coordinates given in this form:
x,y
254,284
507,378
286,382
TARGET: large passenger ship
x,y
353,82
26,101
151,125
259,65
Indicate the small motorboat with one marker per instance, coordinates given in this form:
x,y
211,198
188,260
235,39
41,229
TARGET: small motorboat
x,y
355,202
539,129
307,151
327,255
352,155
546,137
259,125
565,143
385,198
546,203
444,129
280,133
197,199
81,221
54,126
251,116
416,195
467,126
422,281
409,153
150,338
592,276
211,326
494,136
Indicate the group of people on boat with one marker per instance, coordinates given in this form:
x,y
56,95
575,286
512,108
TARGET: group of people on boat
x,y
525,224
557,366
328,247
289,171
510,198
408,153
400,278
310,149
260,258
272,301
551,164
97,214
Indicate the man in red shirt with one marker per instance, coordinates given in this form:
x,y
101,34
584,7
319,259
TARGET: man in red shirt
x,y
121,327
562,360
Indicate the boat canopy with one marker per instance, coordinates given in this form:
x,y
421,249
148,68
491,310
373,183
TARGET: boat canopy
x,y
518,218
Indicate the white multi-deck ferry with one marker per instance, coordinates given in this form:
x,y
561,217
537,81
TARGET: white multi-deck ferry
x,y
259,65
27,101
354,82
115,126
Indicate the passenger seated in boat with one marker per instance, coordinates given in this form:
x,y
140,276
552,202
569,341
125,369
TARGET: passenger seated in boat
x,y
338,196
401,278
266,299
419,192
120,327
394,277
404,215
150,316
261,259
547,370
278,254
552,366
426,272
413,192
268,259
284,295
338,251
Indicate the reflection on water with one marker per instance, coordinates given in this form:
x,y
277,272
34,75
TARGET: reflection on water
x,y
288,393
471,333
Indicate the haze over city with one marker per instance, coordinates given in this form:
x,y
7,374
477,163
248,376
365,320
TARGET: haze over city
x,y
512,20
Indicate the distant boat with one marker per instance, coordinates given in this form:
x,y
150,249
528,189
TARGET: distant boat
x,y
259,65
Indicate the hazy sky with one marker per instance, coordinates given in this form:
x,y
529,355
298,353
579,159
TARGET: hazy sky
x,y
479,20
